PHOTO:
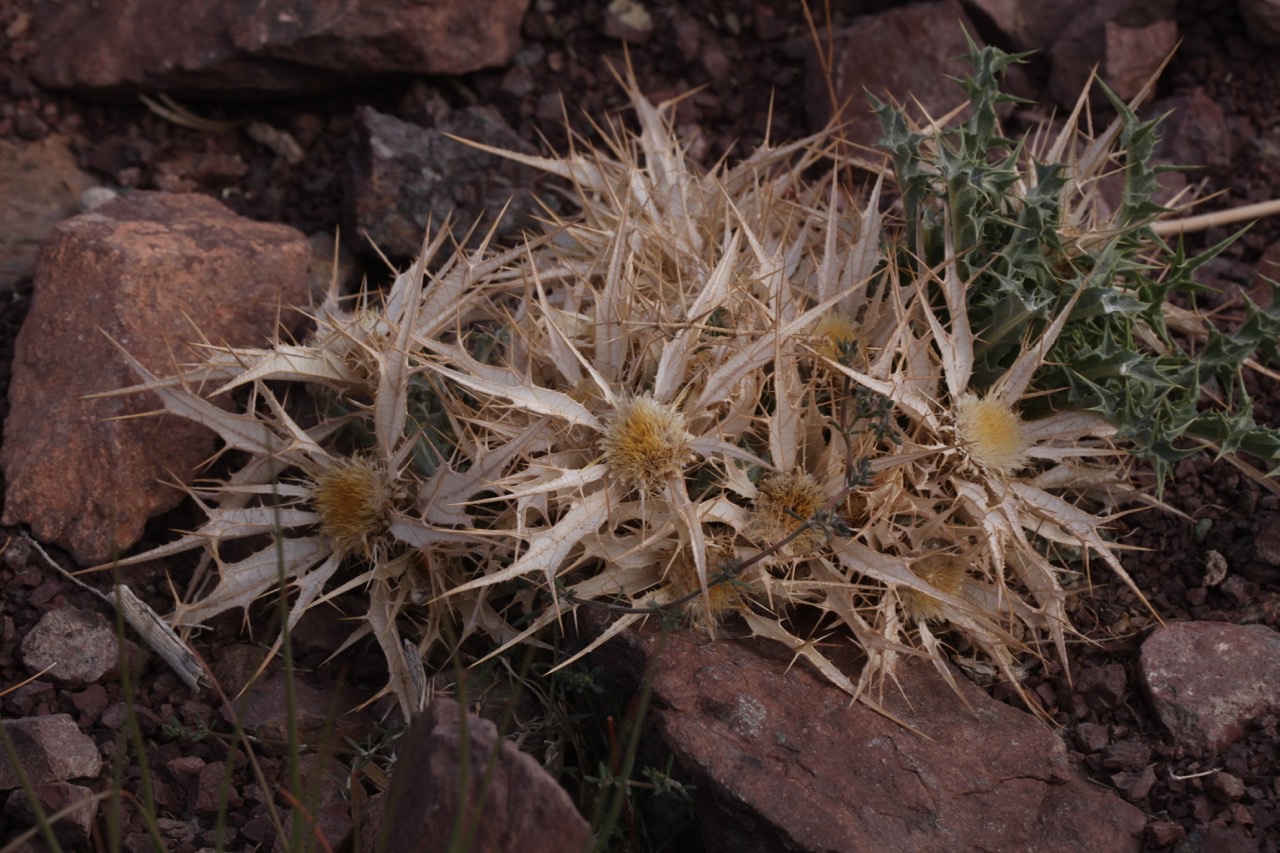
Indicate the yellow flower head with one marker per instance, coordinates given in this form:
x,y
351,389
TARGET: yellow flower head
x,y
783,502
991,432
646,441
353,499
945,573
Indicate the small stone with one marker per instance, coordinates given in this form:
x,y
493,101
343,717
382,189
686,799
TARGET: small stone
x,y
50,749
1106,686
91,701
1135,786
210,795
185,765
75,827
1208,680
76,646
1226,787
1091,737
1130,755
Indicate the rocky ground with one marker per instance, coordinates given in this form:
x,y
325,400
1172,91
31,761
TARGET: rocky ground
x,y
1134,764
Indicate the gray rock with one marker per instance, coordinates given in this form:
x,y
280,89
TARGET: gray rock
x,y
405,177
80,646
1208,680
270,46
50,749
790,764
142,269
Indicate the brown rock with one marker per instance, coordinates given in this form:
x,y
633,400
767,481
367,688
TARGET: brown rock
x,y
1262,21
1208,680
269,46
79,645
1125,40
49,749
1134,54
142,269
405,177
317,713
790,764
327,811
900,55
518,807
74,828
41,186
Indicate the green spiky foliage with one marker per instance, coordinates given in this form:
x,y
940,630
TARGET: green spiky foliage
x,y
1031,236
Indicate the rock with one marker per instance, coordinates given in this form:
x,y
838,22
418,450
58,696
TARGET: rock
x,y
1030,24
317,714
1262,21
404,177
72,829
50,749
629,21
1125,40
788,763
41,186
213,794
273,46
523,808
1195,131
1105,685
1208,680
900,54
142,270
79,645
1135,54
324,798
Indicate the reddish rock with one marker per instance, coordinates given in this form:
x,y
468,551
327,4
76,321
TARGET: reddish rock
x,y
324,799
1135,54
789,764
140,269
1124,41
1208,680
72,829
903,54
263,711
269,46
50,749
213,794
80,646
91,702
519,808
405,177
41,186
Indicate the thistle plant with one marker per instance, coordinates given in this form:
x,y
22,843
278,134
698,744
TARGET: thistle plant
x,y
747,397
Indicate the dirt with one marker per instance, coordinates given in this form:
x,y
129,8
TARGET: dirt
x,y
737,58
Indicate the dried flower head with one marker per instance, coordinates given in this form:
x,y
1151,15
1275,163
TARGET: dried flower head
x,y
991,432
353,499
784,502
646,441
834,335
945,573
